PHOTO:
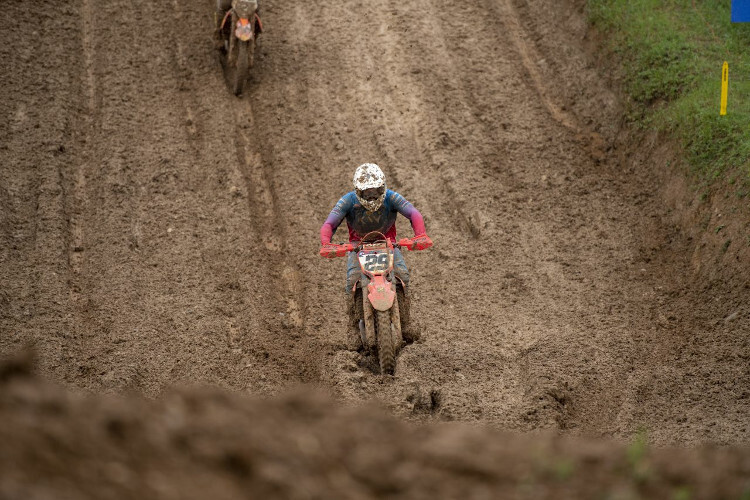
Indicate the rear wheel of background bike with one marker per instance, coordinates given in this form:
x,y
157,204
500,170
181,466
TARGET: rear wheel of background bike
x,y
386,344
240,74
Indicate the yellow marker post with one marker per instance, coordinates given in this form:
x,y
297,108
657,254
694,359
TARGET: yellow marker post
x,y
724,88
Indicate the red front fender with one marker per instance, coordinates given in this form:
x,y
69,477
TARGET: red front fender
x,y
381,293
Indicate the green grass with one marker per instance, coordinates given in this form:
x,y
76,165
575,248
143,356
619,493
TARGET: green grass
x,y
673,51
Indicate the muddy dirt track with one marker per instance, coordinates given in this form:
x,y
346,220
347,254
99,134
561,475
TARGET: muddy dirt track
x,y
156,230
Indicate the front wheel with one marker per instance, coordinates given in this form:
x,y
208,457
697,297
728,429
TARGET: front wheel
x,y
386,344
240,74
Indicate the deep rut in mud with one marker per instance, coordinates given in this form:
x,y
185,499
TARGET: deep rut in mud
x,y
158,230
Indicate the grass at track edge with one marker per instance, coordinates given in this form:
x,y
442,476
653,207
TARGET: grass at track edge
x,y
672,54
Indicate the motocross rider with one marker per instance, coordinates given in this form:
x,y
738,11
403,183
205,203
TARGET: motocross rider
x,y
222,6
373,207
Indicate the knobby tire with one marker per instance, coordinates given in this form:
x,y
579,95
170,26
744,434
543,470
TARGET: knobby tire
x,y
386,344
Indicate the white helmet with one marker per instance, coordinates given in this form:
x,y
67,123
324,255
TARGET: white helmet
x,y
369,186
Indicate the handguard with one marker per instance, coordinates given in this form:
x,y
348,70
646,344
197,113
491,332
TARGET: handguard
x,y
331,251
421,242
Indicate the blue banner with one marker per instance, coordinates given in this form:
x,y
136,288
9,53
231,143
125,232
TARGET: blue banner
x,y
741,11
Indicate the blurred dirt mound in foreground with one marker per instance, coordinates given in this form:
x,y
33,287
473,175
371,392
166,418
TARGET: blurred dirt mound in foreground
x,y
212,444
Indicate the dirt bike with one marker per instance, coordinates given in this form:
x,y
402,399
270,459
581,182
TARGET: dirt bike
x,y
239,29
379,311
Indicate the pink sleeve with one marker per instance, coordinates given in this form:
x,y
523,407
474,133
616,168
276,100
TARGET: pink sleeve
x,y
407,210
326,232
333,220
417,222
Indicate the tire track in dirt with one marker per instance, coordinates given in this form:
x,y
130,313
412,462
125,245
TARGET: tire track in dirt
x,y
521,32
612,346
528,55
83,120
285,303
87,121
555,391
271,220
77,196
182,67
38,99
603,350
282,306
112,203
200,114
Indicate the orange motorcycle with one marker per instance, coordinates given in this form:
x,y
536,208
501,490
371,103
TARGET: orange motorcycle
x,y
240,28
379,309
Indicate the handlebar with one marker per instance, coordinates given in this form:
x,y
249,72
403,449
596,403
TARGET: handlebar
x,y
332,250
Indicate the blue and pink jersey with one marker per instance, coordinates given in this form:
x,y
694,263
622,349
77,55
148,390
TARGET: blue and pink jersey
x,y
360,221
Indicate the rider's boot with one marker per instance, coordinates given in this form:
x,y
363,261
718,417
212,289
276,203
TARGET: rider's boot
x,y
409,330
218,35
353,336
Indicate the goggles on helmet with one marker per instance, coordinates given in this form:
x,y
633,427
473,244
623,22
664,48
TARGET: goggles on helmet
x,y
372,194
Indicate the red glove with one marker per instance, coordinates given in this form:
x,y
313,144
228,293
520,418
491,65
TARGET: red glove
x,y
421,242
330,251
